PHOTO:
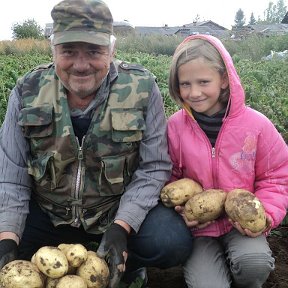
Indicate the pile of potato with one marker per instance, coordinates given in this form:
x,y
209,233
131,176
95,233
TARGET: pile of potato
x,y
65,266
203,206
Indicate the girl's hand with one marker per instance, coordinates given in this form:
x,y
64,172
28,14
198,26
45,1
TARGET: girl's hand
x,y
249,233
191,224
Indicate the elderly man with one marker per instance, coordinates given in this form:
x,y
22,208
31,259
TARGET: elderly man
x,y
84,155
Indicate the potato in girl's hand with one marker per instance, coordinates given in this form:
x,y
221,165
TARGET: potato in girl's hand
x,y
178,192
205,206
244,207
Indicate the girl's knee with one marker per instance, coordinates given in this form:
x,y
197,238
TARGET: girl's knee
x,y
254,268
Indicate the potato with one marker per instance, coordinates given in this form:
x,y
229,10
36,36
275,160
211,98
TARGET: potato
x,y
64,247
178,192
205,206
33,259
21,273
71,281
51,261
94,271
51,283
76,254
244,207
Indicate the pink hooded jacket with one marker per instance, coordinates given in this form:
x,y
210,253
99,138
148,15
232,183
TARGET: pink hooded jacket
x,y
249,153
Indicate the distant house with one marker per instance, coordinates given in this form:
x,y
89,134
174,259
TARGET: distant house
x,y
270,29
208,24
121,27
205,27
48,30
260,30
146,30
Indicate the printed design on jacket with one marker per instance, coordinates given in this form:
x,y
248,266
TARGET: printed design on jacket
x,y
243,161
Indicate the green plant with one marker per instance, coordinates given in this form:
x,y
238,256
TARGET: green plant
x,y
28,29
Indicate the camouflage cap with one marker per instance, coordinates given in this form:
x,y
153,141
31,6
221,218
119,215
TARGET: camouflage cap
x,y
82,21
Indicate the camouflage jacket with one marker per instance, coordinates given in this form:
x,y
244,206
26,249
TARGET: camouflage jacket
x,y
81,183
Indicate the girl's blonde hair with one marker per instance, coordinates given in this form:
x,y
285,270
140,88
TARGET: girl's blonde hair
x,y
191,50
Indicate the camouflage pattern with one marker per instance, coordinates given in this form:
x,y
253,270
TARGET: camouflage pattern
x,y
82,21
83,185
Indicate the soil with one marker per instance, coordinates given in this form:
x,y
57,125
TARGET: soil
x,y
278,241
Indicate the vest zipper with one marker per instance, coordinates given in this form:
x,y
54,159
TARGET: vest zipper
x,y
77,221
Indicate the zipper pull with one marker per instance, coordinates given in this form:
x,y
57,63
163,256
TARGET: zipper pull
x,y
76,223
80,153
80,148
67,210
213,152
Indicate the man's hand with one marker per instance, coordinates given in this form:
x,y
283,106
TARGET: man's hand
x,y
114,245
8,251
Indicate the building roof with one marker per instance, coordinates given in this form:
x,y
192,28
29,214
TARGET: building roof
x,y
123,23
206,23
145,30
270,28
194,30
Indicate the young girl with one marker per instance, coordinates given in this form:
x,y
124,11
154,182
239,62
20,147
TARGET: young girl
x,y
219,142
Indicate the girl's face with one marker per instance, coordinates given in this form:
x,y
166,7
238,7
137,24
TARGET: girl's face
x,y
200,86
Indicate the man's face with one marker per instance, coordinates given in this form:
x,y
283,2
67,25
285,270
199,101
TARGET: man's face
x,y
81,67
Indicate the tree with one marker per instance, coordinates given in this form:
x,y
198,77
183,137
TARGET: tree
x,y
28,29
252,20
196,19
275,12
239,19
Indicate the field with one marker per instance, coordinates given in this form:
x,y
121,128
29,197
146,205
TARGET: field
x,y
265,82
266,89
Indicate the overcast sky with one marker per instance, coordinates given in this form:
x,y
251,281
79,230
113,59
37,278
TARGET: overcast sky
x,y
139,12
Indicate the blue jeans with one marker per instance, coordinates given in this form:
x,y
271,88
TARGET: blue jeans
x,y
163,240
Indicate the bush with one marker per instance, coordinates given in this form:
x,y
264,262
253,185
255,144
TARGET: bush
x,y
28,29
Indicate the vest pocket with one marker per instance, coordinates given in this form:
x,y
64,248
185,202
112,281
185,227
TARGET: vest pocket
x,y
116,173
127,125
36,122
43,171
111,178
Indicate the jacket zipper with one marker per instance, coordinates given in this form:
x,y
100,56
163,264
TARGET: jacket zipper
x,y
77,221
213,153
213,156
214,159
